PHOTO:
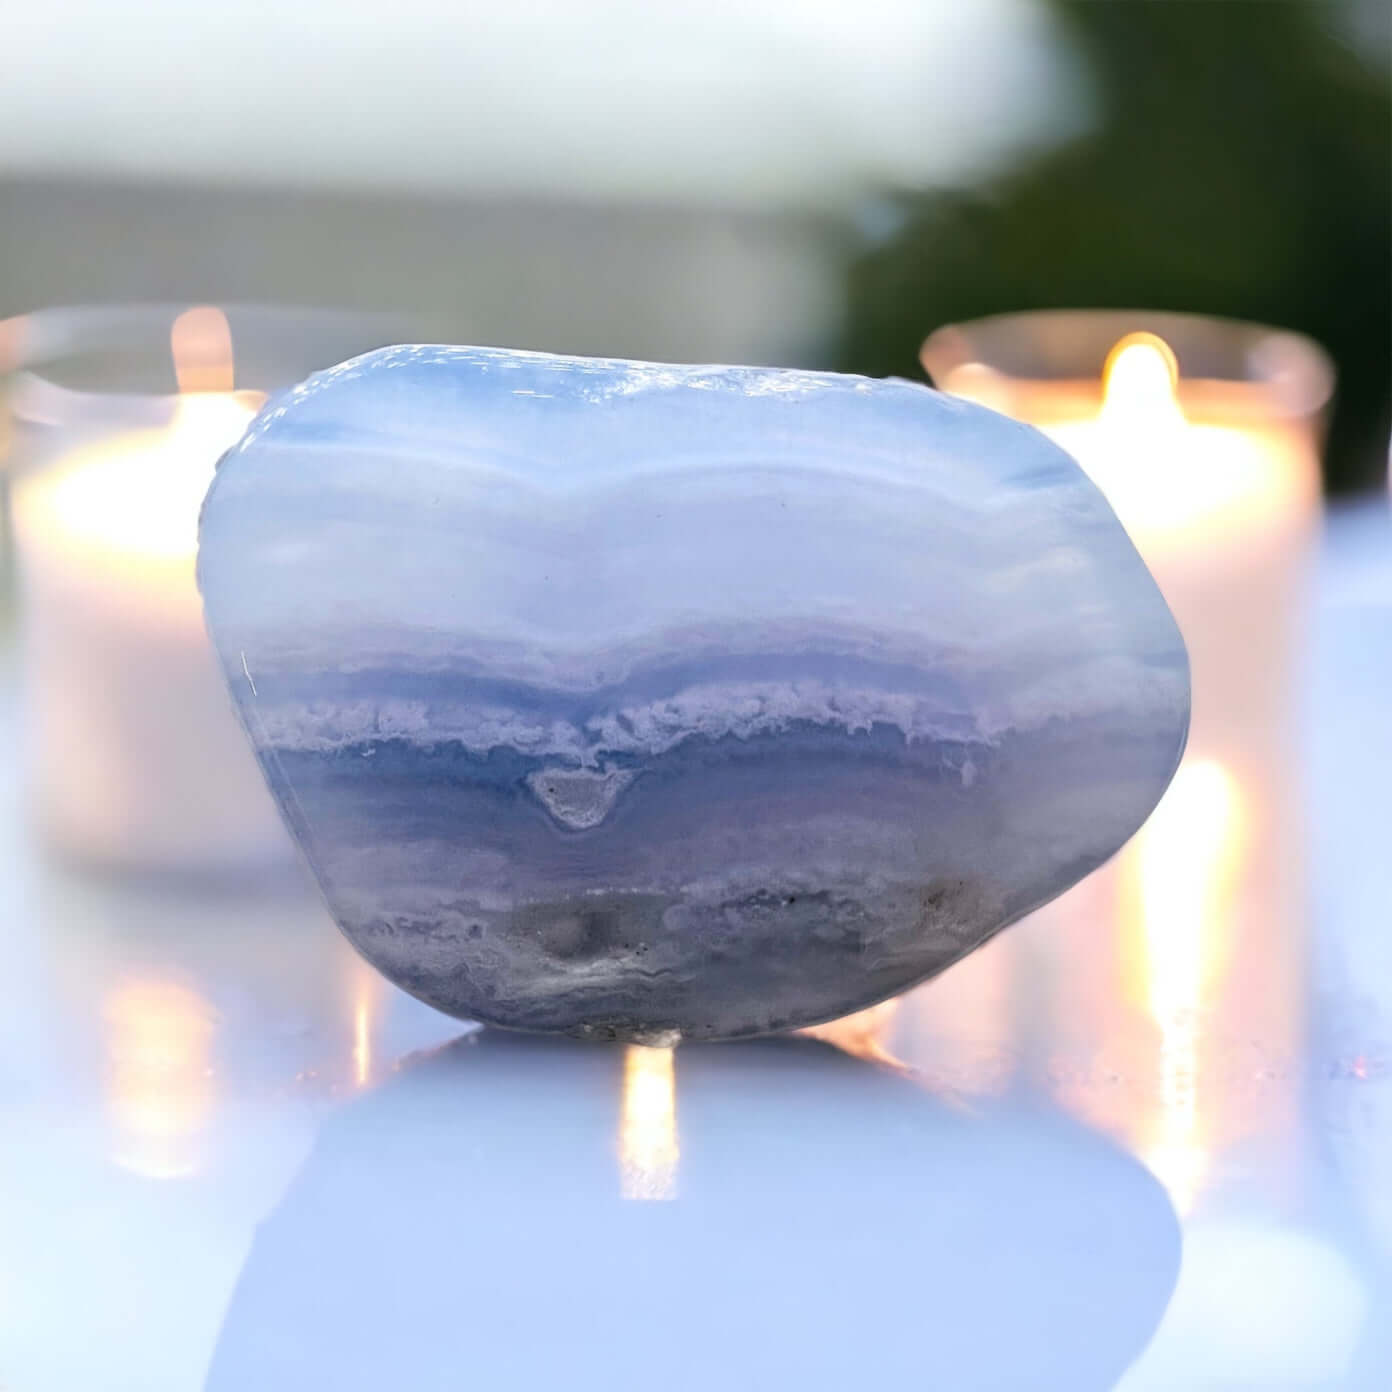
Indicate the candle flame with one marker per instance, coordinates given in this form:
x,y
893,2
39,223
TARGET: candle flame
x,y
648,1149
1184,861
201,343
1165,475
1141,384
159,1079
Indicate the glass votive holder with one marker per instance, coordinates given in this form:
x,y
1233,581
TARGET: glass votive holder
x,y
113,421
1188,947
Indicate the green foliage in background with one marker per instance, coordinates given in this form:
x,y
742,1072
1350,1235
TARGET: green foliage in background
x,y
1241,165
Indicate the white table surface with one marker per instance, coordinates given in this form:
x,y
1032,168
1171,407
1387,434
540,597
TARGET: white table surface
x,y
233,1158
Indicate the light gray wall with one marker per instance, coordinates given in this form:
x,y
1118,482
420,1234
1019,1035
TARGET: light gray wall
x,y
666,283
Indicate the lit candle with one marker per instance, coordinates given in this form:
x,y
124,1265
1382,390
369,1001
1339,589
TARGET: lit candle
x,y
137,759
1214,472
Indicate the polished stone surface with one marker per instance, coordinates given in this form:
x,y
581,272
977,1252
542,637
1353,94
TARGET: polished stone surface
x,y
629,700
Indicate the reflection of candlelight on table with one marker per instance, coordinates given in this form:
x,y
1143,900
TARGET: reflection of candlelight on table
x,y
137,757
958,1031
160,1088
862,1034
1180,877
362,1043
648,1150
366,991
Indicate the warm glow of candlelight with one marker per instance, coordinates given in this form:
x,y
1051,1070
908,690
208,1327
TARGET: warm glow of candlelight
x,y
159,1081
1174,478
136,754
136,498
131,502
1184,866
201,344
862,1034
362,1044
1140,384
648,1150
366,992
961,1029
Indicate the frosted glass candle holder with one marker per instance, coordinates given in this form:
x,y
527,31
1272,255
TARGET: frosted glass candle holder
x,y
135,759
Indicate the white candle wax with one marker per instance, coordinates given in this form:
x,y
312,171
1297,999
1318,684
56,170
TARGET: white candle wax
x,y
136,756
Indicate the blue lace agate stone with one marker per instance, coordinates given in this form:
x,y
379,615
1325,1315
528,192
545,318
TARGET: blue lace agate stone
x,y
636,701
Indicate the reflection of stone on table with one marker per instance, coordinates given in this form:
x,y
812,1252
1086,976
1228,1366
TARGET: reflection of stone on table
x,y
832,1224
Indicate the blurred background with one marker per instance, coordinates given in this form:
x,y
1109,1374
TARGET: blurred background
x,y
1187,1059
801,182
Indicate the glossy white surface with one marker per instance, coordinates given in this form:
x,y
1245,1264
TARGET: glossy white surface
x,y
222,1165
